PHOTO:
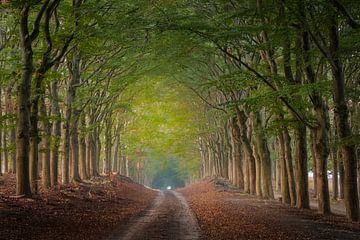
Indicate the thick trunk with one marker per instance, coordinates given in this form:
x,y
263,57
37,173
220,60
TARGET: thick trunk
x,y
72,117
289,166
321,154
320,132
302,189
34,132
241,118
351,197
236,154
264,155
23,110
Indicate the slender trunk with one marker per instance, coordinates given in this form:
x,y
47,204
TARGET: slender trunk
x,y
1,129
107,164
6,152
12,154
246,171
66,145
74,149
314,169
88,155
341,174
285,193
82,149
56,134
335,167
45,153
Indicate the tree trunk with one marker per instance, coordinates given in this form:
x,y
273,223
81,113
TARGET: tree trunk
x,y
82,149
1,130
34,132
23,112
236,154
285,192
241,118
320,132
341,115
45,153
56,133
335,167
302,188
264,155
289,166
108,145
341,174
66,144
314,169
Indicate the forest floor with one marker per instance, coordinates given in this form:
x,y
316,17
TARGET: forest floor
x,y
224,213
117,208
90,210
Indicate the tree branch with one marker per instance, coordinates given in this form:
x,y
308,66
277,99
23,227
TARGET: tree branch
x,y
39,16
343,10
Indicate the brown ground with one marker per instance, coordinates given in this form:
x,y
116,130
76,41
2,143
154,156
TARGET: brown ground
x,y
85,211
121,209
168,218
232,215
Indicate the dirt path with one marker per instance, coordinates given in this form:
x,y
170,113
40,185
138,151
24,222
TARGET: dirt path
x,y
168,218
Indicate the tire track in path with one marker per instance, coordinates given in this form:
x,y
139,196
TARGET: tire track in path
x,y
168,218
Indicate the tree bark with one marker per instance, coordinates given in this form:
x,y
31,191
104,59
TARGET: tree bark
x,y
285,193
45,153
23,112
289,166
320,132
74,117
351,197
82,150
241,118
56,133
236,154
302,188
1,129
